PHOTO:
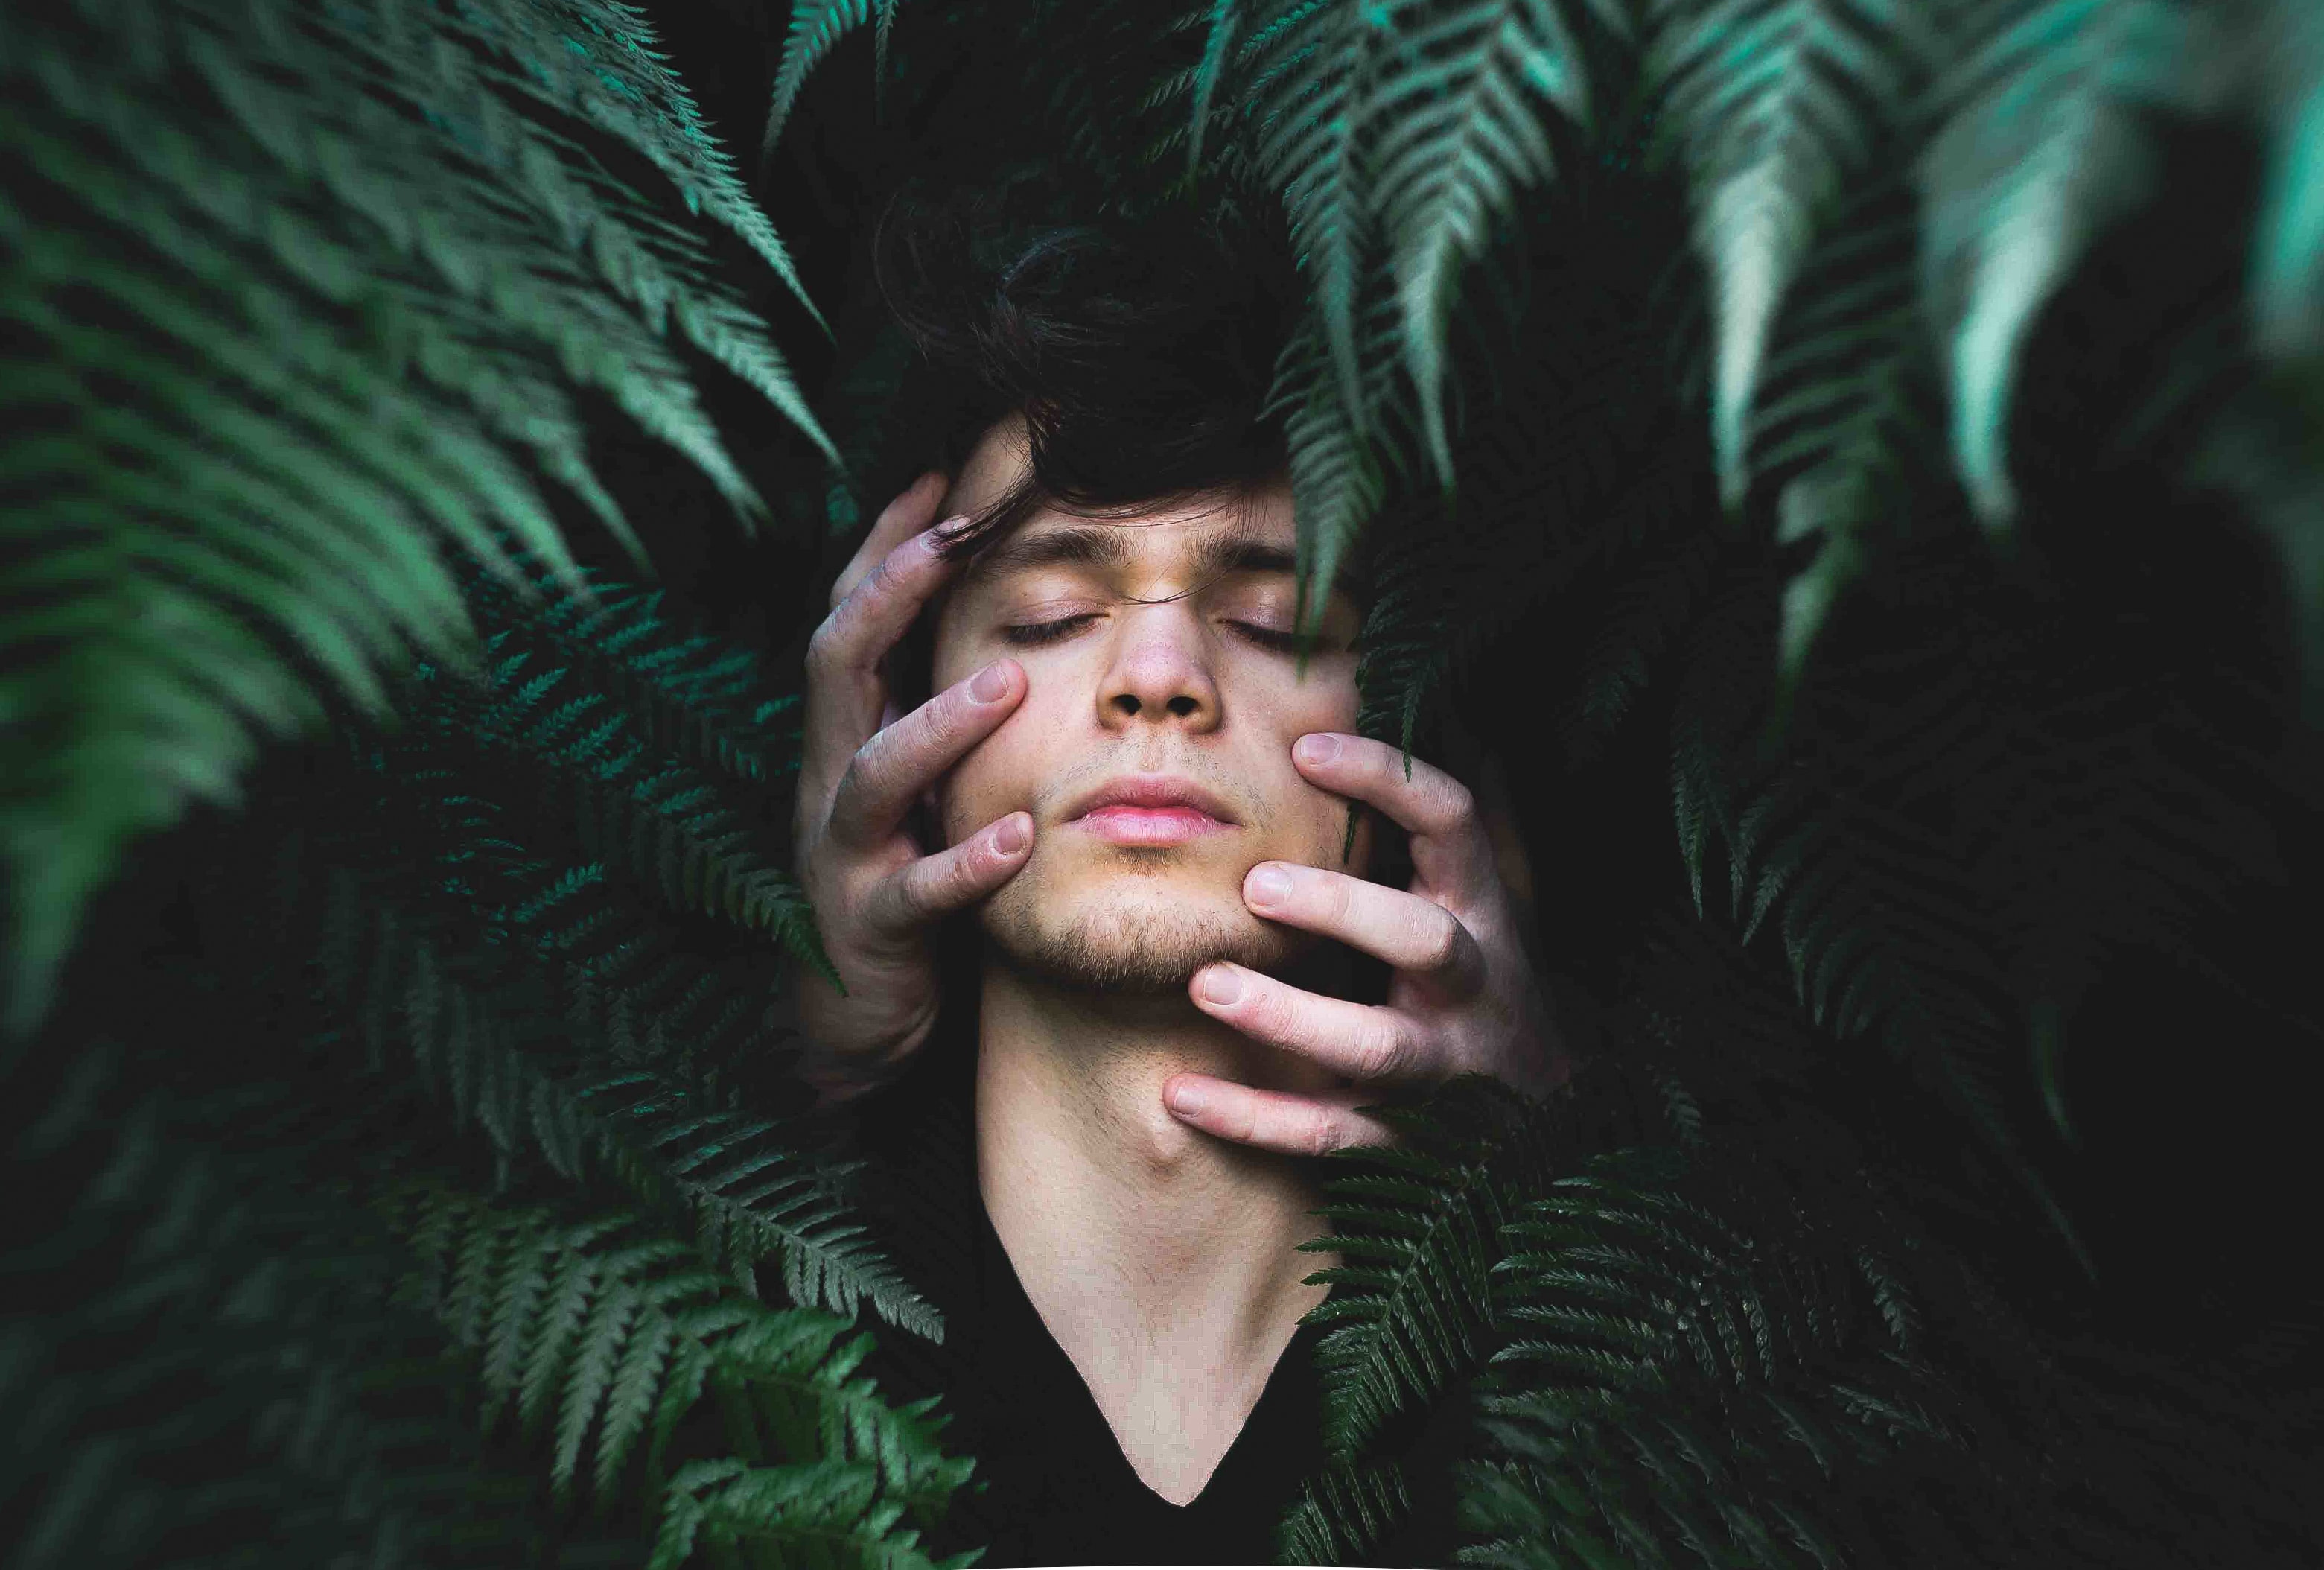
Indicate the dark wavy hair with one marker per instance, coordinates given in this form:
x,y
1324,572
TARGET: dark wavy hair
x,y
1140,353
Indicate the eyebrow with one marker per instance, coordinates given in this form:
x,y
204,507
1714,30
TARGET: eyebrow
x,y
1106,546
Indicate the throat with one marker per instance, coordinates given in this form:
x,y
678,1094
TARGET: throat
x,y
1163,1261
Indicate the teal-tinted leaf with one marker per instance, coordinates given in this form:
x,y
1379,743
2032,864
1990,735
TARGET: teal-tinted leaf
x,y
2045,150
815,28
1774,105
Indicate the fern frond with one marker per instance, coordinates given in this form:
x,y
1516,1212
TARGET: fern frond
x,y
667,824
302,296
1777,104
2275,51
600,61
746,1186
2041,148
1313,141
1851,413
1219,41
1337,481
204,1357
1406,1327
1462,138
815,28
1343,1513
603,1335
828,1516
1699,1379
755,1195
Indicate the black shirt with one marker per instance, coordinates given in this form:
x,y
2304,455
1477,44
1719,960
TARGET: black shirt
x,y
1060,1490
1051,1486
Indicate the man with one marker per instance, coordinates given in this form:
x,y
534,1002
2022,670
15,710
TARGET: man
x,y
1134,783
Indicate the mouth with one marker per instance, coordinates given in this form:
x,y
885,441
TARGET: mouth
x,y
1150,810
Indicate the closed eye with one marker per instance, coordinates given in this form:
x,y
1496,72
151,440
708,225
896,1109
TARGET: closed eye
x,y
1029,634
1268,637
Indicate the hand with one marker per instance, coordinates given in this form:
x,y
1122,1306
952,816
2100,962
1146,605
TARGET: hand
x,y
875,891
1463,999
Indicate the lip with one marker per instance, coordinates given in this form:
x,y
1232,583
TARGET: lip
x,y
1151,809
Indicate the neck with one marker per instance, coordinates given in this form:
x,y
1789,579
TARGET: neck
x,y
1145,1244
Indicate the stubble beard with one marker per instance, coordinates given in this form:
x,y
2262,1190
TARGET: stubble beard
x,y
1127,938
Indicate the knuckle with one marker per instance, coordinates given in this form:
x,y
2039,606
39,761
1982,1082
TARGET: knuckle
x,y
1456,803
925,889
1388,1054
865,769
921,736
857,786
945,712
822,645
1322,1138
900,898
1274,1014
1441,945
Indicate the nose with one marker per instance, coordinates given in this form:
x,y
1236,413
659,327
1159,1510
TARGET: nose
x,y
1160,671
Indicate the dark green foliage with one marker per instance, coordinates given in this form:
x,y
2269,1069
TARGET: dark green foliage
x,y
298,295
1703,1376
471,1004
605,1334
1416,1236
1843,427
1679,1359
202,1356
1342,1513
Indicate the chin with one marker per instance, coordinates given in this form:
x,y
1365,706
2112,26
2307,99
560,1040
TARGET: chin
x,y
1130,936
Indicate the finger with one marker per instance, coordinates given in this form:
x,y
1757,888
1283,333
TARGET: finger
x,y
1413,934
1356,1039
912,511
1313,1124
1449,847
862,627
889,772
950,879
845,689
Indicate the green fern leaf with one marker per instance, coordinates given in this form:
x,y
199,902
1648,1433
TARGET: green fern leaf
x,y
1336,480
1315,143
354,291
816,27
1202,85
1403,1332
1343,1513
2043,150
632,1331
1772,98
1462,139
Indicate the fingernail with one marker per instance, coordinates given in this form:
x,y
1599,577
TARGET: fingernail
x,y
989,684
1318,748
942,534
1014,835
1222,985
1187,1101
1267,885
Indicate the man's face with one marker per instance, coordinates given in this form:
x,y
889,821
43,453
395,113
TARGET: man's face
x,y
1160,665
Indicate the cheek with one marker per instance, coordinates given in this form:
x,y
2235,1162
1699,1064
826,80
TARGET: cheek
x,y
1000,775
1326,700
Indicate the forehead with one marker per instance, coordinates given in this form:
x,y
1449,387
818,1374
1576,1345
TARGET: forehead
x,y
1239,535
1202,528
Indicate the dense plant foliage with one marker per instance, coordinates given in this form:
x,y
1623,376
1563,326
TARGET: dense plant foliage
x,y
1871,449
